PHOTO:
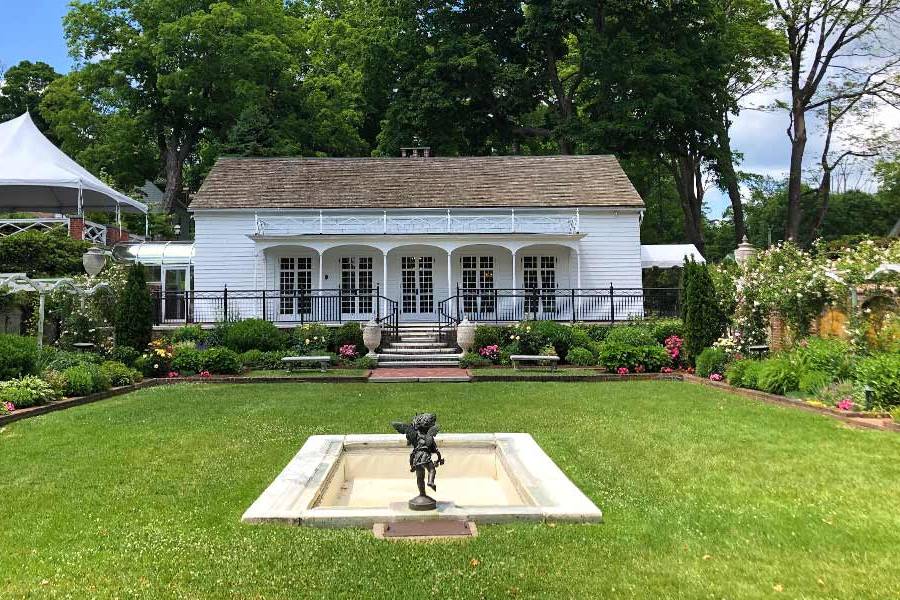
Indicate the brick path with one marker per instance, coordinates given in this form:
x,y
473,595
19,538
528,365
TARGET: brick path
x,y
420,374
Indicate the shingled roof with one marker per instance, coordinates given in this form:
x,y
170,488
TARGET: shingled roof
x,y
470,182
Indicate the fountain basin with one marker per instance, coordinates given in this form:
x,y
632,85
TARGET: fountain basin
x,y
358,480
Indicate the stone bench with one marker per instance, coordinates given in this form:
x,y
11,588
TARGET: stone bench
x,y
294,362
538,360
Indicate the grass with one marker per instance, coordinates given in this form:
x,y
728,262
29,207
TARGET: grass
x,y
311,373
705,495
510,372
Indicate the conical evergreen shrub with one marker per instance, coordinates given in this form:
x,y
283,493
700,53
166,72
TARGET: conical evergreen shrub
x,y
701,312
134,311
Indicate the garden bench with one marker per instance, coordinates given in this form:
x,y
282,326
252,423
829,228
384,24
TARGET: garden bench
x,y
293,362
539,360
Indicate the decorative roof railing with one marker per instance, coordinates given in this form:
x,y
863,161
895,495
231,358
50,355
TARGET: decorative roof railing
x,y
95,233
324,223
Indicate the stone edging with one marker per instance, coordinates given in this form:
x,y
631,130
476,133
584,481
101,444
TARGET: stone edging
x,y
850,417
574,378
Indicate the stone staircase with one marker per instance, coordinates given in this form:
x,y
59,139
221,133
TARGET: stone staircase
x,y
418,346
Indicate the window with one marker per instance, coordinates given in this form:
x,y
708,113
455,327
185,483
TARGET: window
x,y
356,284
539,273
295,284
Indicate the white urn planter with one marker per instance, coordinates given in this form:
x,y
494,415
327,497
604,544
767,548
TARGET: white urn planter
x,y
465,335
372,336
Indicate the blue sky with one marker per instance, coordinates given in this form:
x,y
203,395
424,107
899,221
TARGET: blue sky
x,y
32,30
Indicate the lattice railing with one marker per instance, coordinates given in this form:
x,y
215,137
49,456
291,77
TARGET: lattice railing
x,y
94,232
13,226
280,225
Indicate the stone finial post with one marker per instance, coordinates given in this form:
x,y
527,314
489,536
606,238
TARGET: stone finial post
x,y
745,251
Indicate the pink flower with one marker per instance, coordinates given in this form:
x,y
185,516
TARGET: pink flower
x,y
348,351
205,374
492,352
666,370
639,369
172,374
716,377
9,406
622,370
845,404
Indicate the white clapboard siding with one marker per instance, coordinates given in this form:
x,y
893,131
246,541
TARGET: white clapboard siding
x,y
610,249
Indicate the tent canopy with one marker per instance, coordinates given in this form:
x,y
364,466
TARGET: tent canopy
x,y
36,176
666,256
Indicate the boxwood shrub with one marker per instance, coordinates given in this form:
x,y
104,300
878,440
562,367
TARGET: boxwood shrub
x,y
186,360
615,354
581,357
489,335
84,379
188,333
220,361
630,335
18,356
471,360
253,334
711,360
124,354
348,333
119,374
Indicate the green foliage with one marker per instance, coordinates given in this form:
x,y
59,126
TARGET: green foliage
x,y
554,334
735,372
23,87
18,356
347,333
752,373
124,354
490,335
581,357
704,322
365,362
881,372
312,338
253,359
64,359
711,360
777,376
27,391
50,254
220,361
253,334
84,379
615,354
471,360
811,382
186,360
134,311
631,335
188,333
597,333
665,328
119,374
831,356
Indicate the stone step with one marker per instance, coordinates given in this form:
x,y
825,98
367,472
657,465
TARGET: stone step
x,y
429,350
418,338
431,344
417,357
418,363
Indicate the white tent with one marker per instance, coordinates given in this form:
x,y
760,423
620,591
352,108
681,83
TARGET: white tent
x,y
668,255
36,176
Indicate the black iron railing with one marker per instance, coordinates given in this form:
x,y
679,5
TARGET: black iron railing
x,y
295,307
604,305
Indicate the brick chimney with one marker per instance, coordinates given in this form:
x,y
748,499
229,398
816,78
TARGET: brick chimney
x,y
76,227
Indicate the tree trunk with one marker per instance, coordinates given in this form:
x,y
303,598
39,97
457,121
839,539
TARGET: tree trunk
x,y
795,178
725,164
174,177
689,182
823,195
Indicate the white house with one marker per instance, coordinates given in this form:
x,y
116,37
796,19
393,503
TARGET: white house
x,y
415,239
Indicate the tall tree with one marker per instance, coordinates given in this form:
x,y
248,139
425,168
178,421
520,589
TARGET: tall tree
x,y
22,88
837,53
182,67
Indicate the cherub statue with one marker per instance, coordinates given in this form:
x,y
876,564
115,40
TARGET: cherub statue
x,y
420,435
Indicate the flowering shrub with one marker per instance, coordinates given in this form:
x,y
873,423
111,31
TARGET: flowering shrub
x,y
158,358
716,377
348,352
311,338
622,370
491,352
845,404
673,348
205,374
6,408
666,370
172,375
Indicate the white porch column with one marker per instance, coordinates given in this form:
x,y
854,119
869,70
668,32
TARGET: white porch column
x,y
384,280
321,264
450,272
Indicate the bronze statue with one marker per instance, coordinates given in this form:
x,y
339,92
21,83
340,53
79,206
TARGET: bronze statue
x,y
420,435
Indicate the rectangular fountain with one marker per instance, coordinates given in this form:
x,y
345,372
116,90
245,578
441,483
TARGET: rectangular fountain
x,y
359,480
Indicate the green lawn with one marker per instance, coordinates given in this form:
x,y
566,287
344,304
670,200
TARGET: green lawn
x,y
308,373
705,495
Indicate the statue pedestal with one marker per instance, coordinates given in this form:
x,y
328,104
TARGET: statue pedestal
x,y
422,503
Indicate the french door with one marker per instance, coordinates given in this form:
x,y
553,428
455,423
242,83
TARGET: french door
x,y
295,285
356,285
417,285
478,273
539,273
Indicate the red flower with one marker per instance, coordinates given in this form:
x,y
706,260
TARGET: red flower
x,y
205,374
622,370
172,374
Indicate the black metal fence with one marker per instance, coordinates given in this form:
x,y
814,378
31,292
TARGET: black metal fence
x,y
575,305
291,308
